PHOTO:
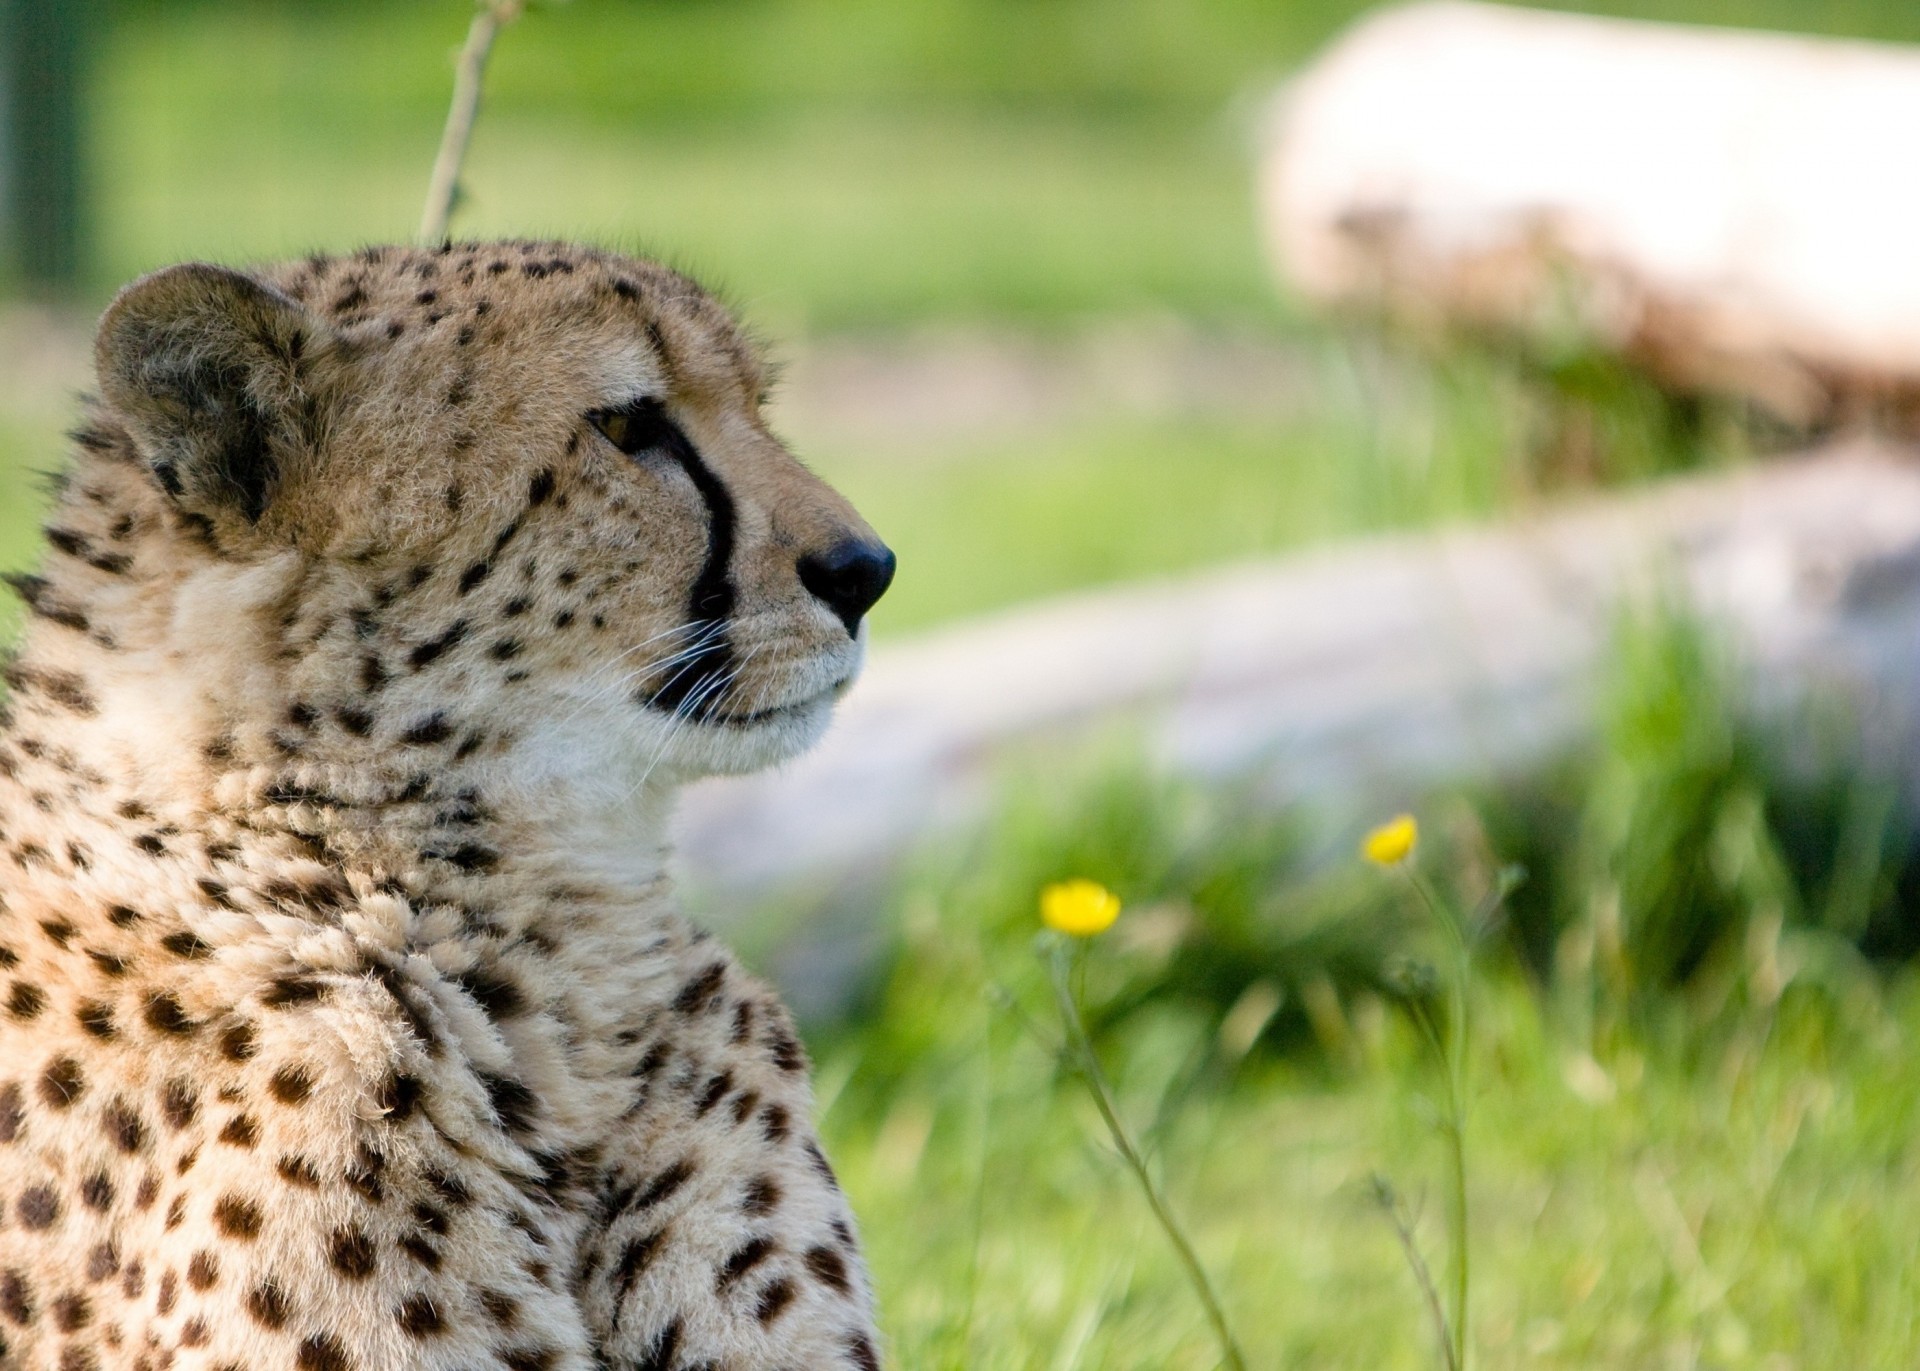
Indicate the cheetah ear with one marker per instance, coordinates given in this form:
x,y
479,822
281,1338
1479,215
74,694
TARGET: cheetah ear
x,y
204,366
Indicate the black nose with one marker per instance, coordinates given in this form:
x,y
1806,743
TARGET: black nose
x,y
848,578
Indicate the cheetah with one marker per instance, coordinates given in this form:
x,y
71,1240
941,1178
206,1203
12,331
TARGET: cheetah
x,y
347,1019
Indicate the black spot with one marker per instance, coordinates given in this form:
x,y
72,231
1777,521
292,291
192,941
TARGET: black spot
x,y
829,1268
634,1260
762,1197
775,1123
237,1042
468,857
352,1254
103,1262
451,1189
298,1171
125,1128
664,1185
787,1053
322,1352
164,1015
860,1348
237,1217
292,990
39,600
16,1298
398,1096
698,993
71,1312
433,1220
716,1090
62,1083
178,1104
39,1207
203,1272
663,1351
186,945
512,1102
773,1301
268,1304
420,1318
741,1262
496,993
431,651
432,729
291,1085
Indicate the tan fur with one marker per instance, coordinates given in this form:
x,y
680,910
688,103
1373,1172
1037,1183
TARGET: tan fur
x,y
346,1019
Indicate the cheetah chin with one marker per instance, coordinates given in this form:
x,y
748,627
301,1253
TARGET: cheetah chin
x,y
347,1019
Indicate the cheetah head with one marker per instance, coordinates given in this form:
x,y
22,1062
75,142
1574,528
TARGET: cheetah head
x,y
517,489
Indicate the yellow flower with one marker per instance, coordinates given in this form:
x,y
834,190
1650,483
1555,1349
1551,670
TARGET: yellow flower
x,y
1079,907
1392,842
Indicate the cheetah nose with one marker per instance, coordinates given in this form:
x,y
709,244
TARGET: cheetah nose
x,y
848,578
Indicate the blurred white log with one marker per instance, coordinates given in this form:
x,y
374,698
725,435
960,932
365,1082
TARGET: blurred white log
x,y
1366,669
1734,210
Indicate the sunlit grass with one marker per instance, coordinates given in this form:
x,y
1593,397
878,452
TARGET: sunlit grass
x,y
1748,1208
1707,1163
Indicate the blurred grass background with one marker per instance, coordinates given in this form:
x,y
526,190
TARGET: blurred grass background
x,y
1693,1140
863,168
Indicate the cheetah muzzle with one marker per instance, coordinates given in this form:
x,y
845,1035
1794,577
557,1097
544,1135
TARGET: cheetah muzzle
x,y
347,1022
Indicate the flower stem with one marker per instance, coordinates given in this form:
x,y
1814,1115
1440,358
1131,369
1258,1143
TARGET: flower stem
x,y
1390,1205
1102,1093
1453,1060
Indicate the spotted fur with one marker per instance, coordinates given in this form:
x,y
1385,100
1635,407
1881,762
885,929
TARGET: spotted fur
x,y
346,1019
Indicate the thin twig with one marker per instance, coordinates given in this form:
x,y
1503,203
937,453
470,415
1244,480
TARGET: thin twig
x,y
1123,1140
1389,1201
469,73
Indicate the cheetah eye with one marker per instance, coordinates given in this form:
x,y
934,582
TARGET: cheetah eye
x,y
638,426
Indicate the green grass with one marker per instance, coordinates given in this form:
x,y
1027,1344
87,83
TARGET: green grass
x,y
1746,1205
1691,1114
684,132
833,162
